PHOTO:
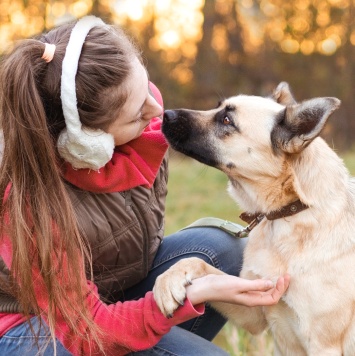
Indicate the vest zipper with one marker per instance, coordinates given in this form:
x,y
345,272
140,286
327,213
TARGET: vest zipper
x,y
145,237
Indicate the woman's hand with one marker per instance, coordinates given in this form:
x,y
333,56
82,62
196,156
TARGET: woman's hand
x,y
231,289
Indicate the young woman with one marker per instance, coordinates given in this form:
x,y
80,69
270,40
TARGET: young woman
x,y
83,184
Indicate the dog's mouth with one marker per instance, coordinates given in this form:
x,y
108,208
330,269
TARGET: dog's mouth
x,y
185,136
198,157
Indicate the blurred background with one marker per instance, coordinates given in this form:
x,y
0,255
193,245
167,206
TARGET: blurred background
x,y
200,51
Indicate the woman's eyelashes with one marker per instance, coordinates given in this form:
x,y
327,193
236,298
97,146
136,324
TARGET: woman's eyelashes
x,y
138,118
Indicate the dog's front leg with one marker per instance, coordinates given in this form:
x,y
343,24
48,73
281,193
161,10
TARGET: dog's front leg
x,y
170,287
251,319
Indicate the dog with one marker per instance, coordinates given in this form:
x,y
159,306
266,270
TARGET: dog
x,y
301,200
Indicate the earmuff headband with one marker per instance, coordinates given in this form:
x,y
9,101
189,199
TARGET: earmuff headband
x,y
81,146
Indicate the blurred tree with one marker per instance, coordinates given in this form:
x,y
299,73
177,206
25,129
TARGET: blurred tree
x,y
206,68
317,43
346,82
219,69
250,46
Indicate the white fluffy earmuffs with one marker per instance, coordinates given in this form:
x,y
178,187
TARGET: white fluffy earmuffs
x,y
81,146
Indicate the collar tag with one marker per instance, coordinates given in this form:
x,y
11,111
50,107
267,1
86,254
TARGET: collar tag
x,y
245,232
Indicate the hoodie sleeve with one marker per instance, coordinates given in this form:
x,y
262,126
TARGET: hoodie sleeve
x,y
131,325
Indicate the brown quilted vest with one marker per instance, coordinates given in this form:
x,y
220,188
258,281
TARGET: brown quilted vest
x,y
124,230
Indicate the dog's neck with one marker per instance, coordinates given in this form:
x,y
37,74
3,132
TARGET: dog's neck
x,y
287,210
316,177
266,194
254,219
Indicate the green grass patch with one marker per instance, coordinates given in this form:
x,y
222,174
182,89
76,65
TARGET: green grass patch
x,y
349,160
196,191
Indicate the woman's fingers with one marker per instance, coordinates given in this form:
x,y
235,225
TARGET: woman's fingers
x,y
255,285
281,287
231,289
255,294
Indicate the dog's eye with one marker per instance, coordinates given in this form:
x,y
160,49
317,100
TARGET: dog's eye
x,y
226,120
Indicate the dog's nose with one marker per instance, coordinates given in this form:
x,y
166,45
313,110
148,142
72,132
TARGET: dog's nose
x,y
170,115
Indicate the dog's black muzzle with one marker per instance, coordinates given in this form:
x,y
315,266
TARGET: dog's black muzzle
x,y
184,134
176,127
170,116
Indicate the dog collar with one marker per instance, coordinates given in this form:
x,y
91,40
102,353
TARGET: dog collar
x,y
254,219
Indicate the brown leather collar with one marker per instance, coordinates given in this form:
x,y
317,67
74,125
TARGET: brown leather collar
x,y
253,219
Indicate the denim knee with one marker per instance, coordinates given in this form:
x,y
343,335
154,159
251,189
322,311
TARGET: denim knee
x,y
213,245
20,341
227,249
179,342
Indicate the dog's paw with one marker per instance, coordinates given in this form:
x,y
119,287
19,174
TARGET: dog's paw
x,y
170,287
170,290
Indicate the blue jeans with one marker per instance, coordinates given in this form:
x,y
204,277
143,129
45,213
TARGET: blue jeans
x,y
193,337
19,341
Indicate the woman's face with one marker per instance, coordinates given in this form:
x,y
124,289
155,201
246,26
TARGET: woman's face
x,y
138,110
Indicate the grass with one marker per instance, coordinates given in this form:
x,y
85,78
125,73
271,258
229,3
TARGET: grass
x,y
196,191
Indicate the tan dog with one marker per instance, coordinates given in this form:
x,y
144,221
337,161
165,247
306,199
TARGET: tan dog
x,y
279,167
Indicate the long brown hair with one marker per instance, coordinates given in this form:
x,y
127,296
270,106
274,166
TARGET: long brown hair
x,y
38,216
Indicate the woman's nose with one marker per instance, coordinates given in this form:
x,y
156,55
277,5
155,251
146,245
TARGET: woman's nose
x,y
154,109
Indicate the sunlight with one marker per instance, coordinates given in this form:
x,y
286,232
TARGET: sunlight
x,y
302,4
248,4
300,24
17,18
170,39
276,34
219,40
323,19
133,9
352,38
176,25
304,26
79,8
175,21
177,28
290,46
328,46
269,9
307,47
58,9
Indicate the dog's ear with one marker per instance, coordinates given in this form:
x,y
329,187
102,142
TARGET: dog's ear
x,y
301,123
282,94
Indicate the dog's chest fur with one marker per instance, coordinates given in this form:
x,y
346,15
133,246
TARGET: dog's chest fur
x,y
318,255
